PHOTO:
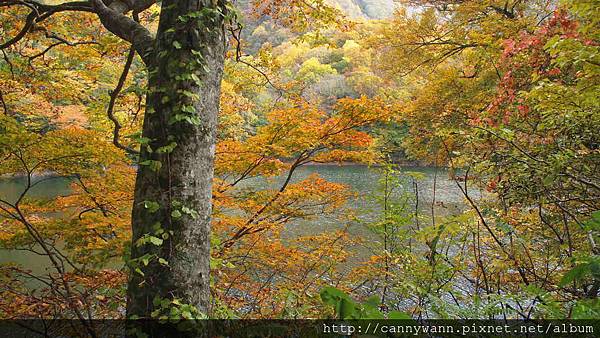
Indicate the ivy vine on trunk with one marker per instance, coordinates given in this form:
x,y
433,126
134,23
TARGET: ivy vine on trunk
x,y
172,203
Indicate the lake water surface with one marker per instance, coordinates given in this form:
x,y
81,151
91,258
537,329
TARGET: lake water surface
x,y
361,179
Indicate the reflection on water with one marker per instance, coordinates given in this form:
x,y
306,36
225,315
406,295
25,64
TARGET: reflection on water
x,y
44,187
365,181
361,179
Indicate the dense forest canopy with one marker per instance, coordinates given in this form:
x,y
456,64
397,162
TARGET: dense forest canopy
x,y
182,131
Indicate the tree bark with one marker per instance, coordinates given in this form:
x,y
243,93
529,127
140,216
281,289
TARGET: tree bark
x,y
173,189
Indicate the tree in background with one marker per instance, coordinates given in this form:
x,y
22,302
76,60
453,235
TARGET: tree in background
x,y
503,93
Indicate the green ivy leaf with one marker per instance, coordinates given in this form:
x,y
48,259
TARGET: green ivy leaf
x,y
151,206
176,214
156,241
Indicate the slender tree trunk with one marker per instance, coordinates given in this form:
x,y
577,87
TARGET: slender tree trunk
x,y
172,204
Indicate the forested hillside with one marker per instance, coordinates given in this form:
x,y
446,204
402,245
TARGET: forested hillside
x,y
204,159
368,9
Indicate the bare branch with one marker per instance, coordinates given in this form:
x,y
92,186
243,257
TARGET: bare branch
x,y
124,27
28,24
4,105
113,99
61,42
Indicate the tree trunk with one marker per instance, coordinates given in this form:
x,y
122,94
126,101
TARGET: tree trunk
x,y
172,203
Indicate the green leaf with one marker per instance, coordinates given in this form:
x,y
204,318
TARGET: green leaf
x,y
151,206
331,295
373,301
345,308
215,263
188,109
193,120
580,271
156,241
191,95
371,313
196,79
167,149
145,259
594,222
154,165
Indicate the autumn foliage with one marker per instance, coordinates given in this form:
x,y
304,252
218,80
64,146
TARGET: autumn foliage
x,y
502,94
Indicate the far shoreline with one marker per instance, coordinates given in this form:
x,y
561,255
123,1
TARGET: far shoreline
x,y
401,164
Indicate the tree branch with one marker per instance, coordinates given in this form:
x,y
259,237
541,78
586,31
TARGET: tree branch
x,y
111,105
124,27
4,105
28,24
39,12
61,41
110,12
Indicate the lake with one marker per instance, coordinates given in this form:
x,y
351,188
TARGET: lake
x,y
361,179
